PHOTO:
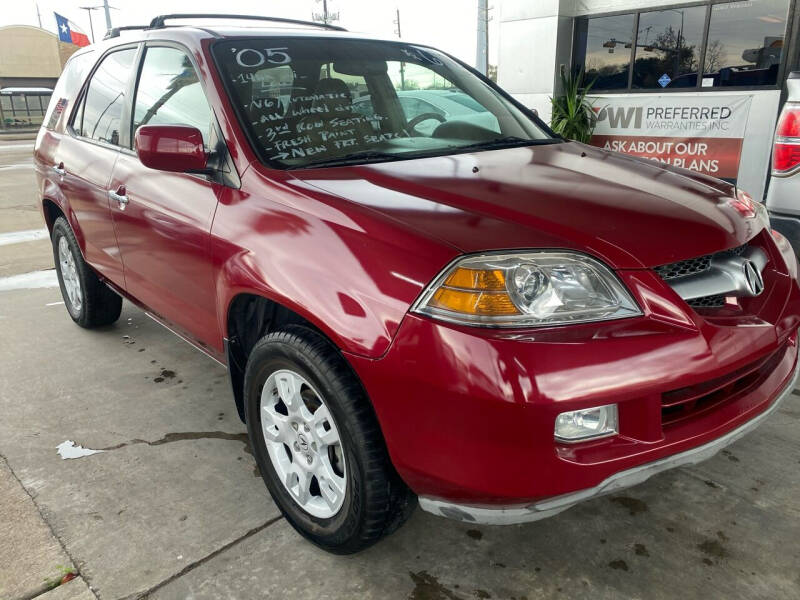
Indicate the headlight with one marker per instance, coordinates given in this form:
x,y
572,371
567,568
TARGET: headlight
x,y
526,289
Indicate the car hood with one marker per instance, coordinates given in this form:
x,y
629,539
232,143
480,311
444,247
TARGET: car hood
x,y
630,212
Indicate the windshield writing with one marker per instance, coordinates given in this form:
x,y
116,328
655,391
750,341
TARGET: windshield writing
x,y
310,101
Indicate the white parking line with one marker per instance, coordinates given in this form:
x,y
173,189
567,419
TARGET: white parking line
x,y
15,147
17,237
29,281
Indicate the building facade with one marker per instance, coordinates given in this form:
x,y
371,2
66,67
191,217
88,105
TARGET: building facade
x,y
697,84
31,60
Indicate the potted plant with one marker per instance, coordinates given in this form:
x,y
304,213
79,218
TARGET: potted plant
x,y
572,113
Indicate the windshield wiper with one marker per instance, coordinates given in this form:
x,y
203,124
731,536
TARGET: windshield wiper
x,y
511,141
370,155
353,157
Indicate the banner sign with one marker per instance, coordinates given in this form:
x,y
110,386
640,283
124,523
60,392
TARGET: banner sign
x,y
703,133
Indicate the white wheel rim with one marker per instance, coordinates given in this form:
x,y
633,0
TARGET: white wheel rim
x,y
69,275
303,443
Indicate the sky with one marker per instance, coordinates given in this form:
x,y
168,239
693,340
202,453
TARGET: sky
x,y
446,24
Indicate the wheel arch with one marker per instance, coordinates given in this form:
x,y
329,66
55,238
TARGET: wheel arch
x,y
51,212
249,316
52,209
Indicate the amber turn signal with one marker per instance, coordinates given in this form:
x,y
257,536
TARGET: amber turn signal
x,y
475,292
475,279
474,303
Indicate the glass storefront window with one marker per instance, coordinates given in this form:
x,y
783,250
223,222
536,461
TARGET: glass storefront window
x,y
743,46
35,104
606,43
745,43
668,48
18,102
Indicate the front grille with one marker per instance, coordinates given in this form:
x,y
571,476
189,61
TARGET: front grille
x,y
686,402
691,266
717,301
684,267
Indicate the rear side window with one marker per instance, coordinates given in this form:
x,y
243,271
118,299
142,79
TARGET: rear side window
x,y
101,113
67,87
169,93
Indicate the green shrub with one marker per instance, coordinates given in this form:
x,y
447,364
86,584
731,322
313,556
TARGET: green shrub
x,y
573,117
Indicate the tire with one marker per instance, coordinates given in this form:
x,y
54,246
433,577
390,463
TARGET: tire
x,y
374,501
89,301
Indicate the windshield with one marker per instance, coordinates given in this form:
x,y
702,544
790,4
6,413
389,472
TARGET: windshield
x,y
323,102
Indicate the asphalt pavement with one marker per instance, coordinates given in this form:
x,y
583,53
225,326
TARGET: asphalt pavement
x,y
172,505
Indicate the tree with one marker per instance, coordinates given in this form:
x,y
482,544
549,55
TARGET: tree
x,y
714,52
673,45
669,54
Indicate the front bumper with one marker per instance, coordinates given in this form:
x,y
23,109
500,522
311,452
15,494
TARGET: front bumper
x,y
508,515
468,413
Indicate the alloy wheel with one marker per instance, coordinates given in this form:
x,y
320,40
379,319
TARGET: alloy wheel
x,y
303,443
69,275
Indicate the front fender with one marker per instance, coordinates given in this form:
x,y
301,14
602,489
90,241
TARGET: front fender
x,y
347,271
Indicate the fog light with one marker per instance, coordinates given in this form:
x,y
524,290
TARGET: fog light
x,y
586,424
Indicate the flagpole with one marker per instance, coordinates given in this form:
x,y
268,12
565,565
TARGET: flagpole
x,y
89,10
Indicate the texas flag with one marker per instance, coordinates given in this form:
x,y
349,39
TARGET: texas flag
x,y
69,35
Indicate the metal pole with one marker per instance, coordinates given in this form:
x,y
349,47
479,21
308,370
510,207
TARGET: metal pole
x,y
89,10
108,15
680,42
481,54
39,15
486,45
402,64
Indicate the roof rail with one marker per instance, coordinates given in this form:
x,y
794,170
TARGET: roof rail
x,y
115,31
158,22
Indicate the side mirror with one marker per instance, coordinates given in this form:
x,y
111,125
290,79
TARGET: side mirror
x,y
176,148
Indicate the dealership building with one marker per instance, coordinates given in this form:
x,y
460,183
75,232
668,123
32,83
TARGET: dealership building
x,y
31,59
695,84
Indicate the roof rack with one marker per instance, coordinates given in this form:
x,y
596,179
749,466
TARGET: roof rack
x,y
115,31
158,22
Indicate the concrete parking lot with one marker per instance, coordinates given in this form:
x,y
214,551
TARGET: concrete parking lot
x,y
173,505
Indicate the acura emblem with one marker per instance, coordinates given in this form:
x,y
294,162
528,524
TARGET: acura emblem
x,y
752,278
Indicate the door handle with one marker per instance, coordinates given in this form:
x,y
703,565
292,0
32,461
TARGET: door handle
x,y
119,196
59,168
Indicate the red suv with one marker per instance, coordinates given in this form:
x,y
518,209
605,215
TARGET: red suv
x,y
457,306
